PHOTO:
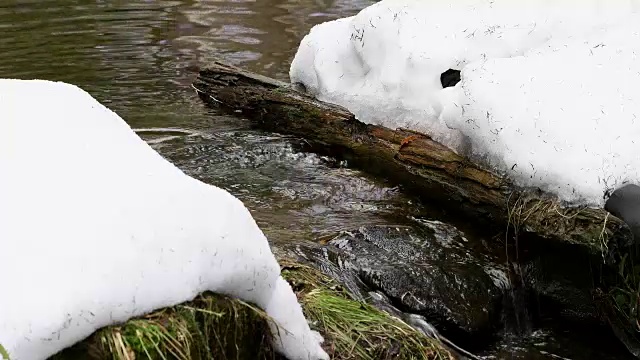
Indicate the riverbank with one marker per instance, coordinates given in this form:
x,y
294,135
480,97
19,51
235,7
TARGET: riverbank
x,y
141,63
531,226
217,327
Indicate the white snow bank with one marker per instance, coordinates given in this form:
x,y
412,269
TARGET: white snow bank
x,y
96,228
564,118
384,64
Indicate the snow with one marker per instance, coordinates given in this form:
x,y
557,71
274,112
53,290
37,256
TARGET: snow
x,y
546,90
96,228
563,118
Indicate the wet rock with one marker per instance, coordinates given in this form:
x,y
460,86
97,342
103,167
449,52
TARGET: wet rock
x,y
562,279
565,283
382,302
425,269
562,293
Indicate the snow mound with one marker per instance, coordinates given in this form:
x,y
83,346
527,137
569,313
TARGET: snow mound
x,y
97,228
385,63
563,118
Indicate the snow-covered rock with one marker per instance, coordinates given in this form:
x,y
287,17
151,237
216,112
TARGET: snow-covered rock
x,y
96,227
554,76
564,118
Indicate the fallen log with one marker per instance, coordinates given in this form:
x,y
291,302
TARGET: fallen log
x,y
411,159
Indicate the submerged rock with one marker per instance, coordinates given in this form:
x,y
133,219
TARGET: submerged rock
x,y
431,277
424,270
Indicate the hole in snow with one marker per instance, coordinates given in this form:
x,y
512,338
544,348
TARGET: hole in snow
x,y
450,78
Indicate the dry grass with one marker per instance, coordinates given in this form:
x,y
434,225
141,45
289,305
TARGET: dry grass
x,y
358,331
217,327
209,327
355,330
548,217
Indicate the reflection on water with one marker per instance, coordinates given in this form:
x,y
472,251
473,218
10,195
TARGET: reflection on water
x,y
268,32
137,57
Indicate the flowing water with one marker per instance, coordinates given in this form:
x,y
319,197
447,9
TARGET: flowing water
x,y
138,57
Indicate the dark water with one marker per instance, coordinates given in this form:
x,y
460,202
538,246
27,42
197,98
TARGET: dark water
x,y
137,58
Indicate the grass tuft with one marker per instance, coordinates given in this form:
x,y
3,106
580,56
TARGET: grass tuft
x,y
355,330
3,353
578,225
161,337
217,327
209,327
360,331
624,298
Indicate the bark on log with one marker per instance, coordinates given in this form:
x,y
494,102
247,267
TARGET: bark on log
x,y
428,168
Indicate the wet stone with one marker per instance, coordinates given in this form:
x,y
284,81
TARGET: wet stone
x,y
426,270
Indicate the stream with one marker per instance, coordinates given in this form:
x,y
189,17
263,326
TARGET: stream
x,y
139,58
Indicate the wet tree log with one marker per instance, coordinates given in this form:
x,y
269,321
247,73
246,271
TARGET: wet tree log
x,y
410,159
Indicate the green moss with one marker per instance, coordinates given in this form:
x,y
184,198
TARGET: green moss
x,y
4,353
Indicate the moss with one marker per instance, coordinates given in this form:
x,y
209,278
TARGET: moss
x,y
3,353
217,327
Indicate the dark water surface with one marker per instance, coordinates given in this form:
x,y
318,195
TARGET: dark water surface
x,y
137,57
